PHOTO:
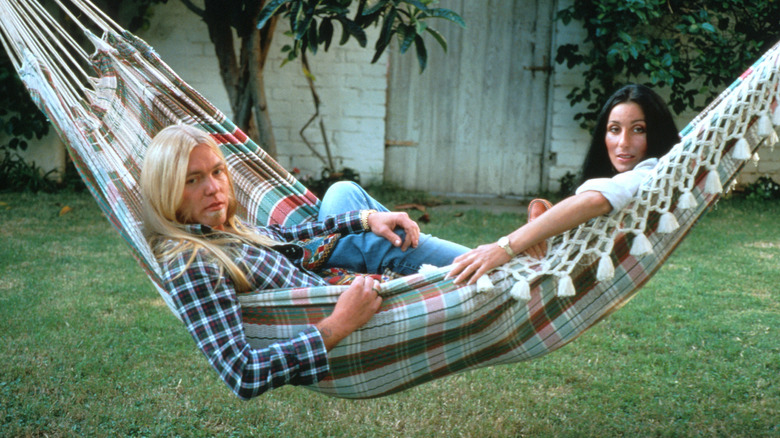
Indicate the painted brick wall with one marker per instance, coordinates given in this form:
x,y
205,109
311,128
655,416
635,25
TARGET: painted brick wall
x,y
568,142
768,165
352,91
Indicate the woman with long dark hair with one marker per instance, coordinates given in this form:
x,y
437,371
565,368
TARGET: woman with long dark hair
x,y
659,126
633,130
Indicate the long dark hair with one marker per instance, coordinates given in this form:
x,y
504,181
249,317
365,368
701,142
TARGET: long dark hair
x,y
662,132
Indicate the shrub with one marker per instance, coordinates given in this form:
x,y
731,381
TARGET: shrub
x,y
692,47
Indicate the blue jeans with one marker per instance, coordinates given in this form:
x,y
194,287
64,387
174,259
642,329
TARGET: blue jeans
x,y
371,254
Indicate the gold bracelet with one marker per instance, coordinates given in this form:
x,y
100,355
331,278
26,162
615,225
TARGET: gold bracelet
x,y
364,218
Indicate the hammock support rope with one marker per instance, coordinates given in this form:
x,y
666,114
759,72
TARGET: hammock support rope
x,y
107,104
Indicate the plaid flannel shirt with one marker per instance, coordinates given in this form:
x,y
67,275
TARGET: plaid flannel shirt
x,y
208,305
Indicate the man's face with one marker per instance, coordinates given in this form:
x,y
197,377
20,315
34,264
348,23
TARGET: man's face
x,y
206,190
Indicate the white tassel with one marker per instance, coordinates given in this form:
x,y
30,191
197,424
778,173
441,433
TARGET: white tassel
x,y
712,185
755,159
521,290
606,269
668,223
566,287
764,127
776,117
641,246
772,141
484,284
741,150
686,201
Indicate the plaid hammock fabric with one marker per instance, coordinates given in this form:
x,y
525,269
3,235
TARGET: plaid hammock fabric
x,y
427,327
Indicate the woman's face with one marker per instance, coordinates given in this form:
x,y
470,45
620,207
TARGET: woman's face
x,y
626,136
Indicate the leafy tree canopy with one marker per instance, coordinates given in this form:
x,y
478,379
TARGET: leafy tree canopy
x,y
312,23
693,47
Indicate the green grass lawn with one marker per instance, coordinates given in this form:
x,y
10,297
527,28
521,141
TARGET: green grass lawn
x,y
89,349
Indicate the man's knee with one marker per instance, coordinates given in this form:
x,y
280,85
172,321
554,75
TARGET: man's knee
x,y
342,197
344,188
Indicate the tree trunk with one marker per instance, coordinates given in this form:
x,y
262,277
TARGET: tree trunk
x,y
243,77
262,115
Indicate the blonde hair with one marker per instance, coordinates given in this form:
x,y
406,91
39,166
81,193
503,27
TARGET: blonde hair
x,y
163,177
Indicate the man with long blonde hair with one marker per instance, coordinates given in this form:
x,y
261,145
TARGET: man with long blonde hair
x,y
208,255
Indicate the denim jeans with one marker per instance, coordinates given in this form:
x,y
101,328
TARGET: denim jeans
x,y
371,254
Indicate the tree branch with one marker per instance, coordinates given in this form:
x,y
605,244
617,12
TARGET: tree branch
x,y
316,99
191,6
221,36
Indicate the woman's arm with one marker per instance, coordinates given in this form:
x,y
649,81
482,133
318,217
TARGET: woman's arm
x,y
563,216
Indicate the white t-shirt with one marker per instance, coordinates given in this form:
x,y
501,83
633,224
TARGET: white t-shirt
x,y
621,188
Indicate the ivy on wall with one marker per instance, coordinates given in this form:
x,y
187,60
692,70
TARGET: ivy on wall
x,y
693,48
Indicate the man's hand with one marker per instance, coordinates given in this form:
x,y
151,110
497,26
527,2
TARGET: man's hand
x,y
353,309
384,223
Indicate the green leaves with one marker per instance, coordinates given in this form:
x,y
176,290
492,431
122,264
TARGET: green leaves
x,y
268,11
665,44
404,20
20,119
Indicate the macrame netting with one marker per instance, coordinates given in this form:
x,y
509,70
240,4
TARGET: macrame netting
x,y
107,105
713,148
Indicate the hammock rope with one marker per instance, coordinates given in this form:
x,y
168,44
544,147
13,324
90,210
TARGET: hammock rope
x,y
427,327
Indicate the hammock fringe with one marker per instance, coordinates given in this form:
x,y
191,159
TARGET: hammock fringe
x,y
606,269
668,223
741,150
521,290
713,186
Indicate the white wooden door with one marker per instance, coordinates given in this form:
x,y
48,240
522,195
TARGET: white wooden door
x,y
475,121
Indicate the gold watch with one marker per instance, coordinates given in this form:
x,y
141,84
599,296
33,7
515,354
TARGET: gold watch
x,y
503,243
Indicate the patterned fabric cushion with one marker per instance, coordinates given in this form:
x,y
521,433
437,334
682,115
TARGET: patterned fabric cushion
x,y
317,250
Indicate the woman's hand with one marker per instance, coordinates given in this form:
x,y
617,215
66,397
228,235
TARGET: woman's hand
x,y
384,223
354,308
478,262
563,216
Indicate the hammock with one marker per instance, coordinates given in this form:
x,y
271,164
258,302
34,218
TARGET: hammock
x,y
107,105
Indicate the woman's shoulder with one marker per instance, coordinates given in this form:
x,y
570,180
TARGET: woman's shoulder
x,y
647,164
